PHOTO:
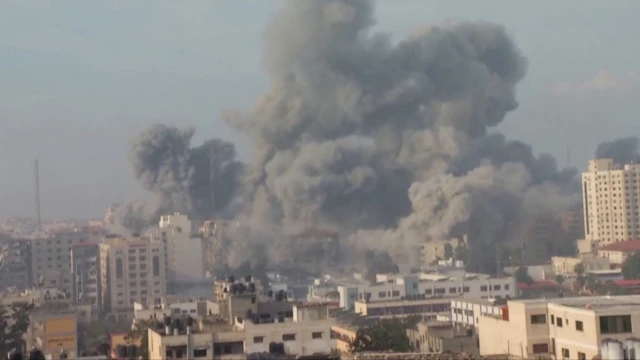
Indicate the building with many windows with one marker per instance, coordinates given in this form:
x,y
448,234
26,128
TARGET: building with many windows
x,y
132,270
85,270
611,197
562,328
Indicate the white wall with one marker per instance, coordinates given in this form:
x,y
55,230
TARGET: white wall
x,y
303,344
467,313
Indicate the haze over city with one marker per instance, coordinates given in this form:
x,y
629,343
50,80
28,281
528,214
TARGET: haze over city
x,y
81,79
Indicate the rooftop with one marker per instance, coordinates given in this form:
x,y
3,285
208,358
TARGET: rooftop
x,y
624,246
591,302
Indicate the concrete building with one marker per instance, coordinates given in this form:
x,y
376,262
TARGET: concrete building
x,y
308,332
175,306
440,337
53,329
316,248
572,223
466,312
344,330
222,288
184,251
618,252
611,201
432,251
51,256
85,270
427,308
15,263
562,328
566,265
445,283
132,270
180,341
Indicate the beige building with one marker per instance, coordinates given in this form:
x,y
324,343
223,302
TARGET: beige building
x,y
618,252
132,270
386,309
439,337
610,197
435,250
54,329
562,328
566,265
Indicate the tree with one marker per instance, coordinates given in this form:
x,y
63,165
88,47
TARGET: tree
x,y
13,325
560,279
579,269
140,333
592,283
631,266
386,335
522,276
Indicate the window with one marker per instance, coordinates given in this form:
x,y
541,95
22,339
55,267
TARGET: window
x,y
483,288
565,353
465,289
382,294
496,287
452,290
615,324
506,286
559,322
539,319
440,291
316,335
156,265
289,337
540,348
200,353
582,356
119,269
258,339
553,319
395,293
579,325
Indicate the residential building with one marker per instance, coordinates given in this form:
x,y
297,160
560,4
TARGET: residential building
x,y
572,223
427,308
308,332
444,283
611,200
432,251
85,270
346,326
183,252
51,256
618,252
440,337
53,329
605,276
566,265
180,340
132,270
266,309
224,287
15,263
176,306
466,312
316,248
562,328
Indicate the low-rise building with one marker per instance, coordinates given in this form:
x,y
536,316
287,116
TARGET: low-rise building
x,y
427,308
618,252
466,312
224,287
566,265
173,306
440,337
53,329
562,328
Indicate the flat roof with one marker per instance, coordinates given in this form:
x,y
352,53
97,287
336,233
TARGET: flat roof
x,y
590,302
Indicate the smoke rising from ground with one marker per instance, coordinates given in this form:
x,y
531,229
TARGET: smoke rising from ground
x,y
393,142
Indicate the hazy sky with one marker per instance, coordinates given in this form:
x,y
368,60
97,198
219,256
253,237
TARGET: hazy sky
x,y
78,79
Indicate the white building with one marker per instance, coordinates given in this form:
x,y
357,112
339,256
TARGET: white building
x,y
175,306
184,248
450,283
467,312
611,199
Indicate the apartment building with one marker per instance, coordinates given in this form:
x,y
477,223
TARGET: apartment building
x,y
445,283
183,249
562,328
618,252
432,251
15,263
466,312
132,270
176,306
85,271
611,197
566,265
224,287
53,329
440,337
51,256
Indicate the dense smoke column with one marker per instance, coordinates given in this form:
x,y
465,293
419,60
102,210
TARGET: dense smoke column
x,y
622,151
179,177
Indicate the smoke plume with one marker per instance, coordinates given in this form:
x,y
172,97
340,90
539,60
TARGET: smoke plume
x,y
199,181
622,151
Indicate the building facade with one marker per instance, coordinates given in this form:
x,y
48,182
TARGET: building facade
x,y
610,200
54,329
132,270
85,270
15,263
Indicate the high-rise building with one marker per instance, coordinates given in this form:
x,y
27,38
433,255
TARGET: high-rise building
x,y
611,198
85,270
132,270
15,260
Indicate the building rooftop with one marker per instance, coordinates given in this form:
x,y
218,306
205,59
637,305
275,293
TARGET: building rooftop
x,y
624,246
591,302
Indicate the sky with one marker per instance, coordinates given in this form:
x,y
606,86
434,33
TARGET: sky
x,y
78,79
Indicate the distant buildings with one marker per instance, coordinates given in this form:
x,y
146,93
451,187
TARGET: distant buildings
x,y
611,200
54,329
85,272
15,263
316,248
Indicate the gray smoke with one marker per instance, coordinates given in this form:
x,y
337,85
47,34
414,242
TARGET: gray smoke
x,y
358,132
623,151
200,181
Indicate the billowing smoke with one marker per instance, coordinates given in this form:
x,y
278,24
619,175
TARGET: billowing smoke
x,y
389,141
199,181
622,151
392,138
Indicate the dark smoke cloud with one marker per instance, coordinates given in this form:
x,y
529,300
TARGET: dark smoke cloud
x,y
622,151
360,132
179,177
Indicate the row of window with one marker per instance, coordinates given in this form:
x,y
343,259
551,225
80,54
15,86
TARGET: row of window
x,y
438,291
288,337
617,324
